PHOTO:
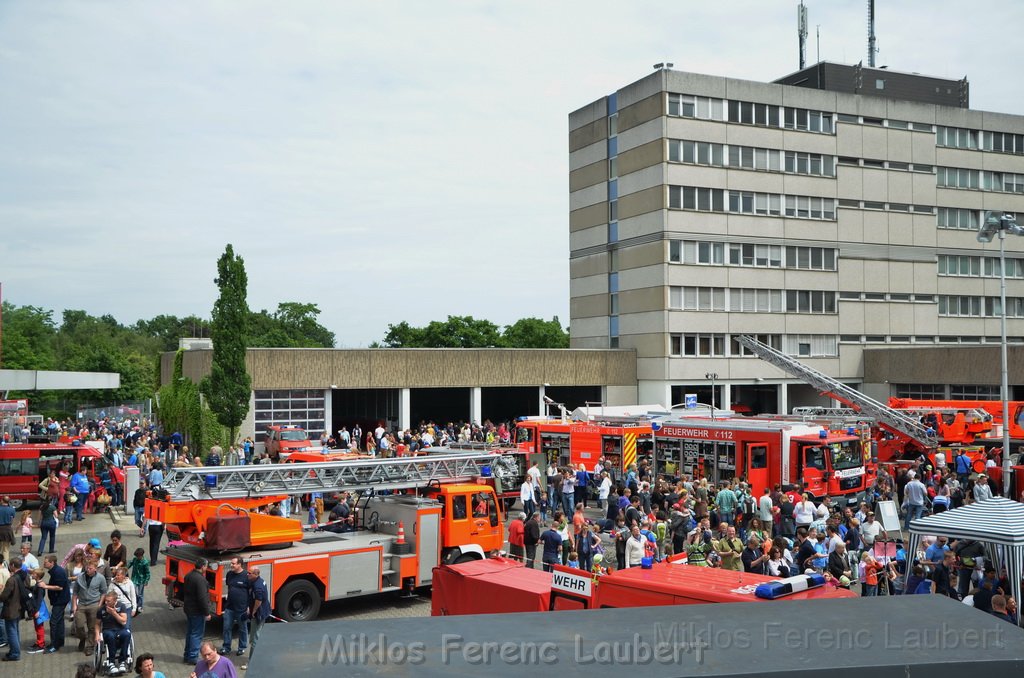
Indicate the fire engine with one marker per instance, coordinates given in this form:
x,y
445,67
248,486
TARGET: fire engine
x,y
766,452
23,466
283,440
621,442
210,512
975,409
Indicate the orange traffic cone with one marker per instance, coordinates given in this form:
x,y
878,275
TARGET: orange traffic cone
x,y
401,533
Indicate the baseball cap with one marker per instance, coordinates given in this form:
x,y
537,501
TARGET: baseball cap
x,y
94,542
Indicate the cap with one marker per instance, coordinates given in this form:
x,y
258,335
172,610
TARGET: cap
x,y
95,543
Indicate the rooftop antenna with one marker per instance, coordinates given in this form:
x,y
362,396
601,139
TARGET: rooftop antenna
x,y
817,32
801,29
872,50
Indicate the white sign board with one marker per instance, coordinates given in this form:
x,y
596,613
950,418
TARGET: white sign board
x,y
890,516
576,584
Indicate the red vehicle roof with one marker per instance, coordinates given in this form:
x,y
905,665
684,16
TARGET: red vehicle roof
x,y
489,586
713,585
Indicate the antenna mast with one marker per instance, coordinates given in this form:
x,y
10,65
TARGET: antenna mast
x,y
801,29
871,34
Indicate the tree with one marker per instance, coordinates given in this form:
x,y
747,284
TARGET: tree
x,y
229,385
456,332
293,325
536,333
28,335
468,332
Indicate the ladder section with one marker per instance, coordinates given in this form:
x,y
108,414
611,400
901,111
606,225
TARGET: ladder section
x,y
256,480
886,416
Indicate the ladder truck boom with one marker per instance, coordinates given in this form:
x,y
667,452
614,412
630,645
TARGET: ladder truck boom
x,y
260,480
900,424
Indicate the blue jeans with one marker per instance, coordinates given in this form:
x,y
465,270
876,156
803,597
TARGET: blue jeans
x,y
914,511
728,517
139,513
230,619
567,506
255,625
195,626
57,625
68,508
140,596
116,641
11,626
47,527
80,505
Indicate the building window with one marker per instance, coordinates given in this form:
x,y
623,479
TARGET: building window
x,y
978,267
810,301
808,121
694,198
807,207
757,300
921,391
748,113
956,137
758,256
689,106
979,307
697,298
294,407
811,258
736,349
675,346
696,153
814,164
974,392
703,345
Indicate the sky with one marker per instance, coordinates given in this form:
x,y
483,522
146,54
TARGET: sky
x,y
386,161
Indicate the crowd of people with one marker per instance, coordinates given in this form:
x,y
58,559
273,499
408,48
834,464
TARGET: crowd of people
x,y
782,532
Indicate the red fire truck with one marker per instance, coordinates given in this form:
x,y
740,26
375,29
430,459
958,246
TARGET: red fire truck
x,y
23,466
766,452
211,512
621,443
968,409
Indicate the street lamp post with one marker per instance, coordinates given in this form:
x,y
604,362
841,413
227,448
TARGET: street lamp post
x,y
1001,224
712,376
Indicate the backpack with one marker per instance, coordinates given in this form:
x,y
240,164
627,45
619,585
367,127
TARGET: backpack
x,y
29,597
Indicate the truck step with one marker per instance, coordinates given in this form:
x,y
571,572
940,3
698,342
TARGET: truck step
x,y
387,572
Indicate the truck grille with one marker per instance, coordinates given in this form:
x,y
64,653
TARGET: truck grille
x,y
850,483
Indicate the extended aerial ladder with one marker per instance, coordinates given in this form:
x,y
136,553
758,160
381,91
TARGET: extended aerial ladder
x,y
903,426
193,500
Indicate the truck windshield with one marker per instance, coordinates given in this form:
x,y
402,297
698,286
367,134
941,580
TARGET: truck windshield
x,y
293,435
846,455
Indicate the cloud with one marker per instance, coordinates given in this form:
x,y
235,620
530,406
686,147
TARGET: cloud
x,y
387,161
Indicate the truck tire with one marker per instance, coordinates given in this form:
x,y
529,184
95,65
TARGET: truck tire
x,y
298,601
465,558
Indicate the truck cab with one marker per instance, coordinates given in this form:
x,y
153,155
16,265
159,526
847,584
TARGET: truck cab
x,y
471,521
283,440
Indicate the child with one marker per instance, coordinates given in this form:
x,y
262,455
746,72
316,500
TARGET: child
x,y
574,560
139,568
543,507
26,527
40,618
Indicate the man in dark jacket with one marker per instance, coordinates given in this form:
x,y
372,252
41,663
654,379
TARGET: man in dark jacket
x,y
531,537
11,613
59,594
196,597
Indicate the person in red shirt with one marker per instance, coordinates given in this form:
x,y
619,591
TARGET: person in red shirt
x,y
516,534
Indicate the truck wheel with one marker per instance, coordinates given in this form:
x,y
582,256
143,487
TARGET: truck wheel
x,y
465,558
298,601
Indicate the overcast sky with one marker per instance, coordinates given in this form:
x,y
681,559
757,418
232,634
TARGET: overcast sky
x,y
386,161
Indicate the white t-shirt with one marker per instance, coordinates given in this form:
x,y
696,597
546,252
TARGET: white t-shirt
x,y
534,474
868,531
803,512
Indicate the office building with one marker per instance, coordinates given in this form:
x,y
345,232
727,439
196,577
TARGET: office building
x,y
832,213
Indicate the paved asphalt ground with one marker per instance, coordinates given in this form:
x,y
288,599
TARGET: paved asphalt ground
x,y
159,630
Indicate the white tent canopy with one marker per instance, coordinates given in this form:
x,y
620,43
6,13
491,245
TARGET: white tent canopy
x,y
996,521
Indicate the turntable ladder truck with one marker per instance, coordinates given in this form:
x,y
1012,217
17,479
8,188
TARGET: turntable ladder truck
x,y
441,503
908,429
